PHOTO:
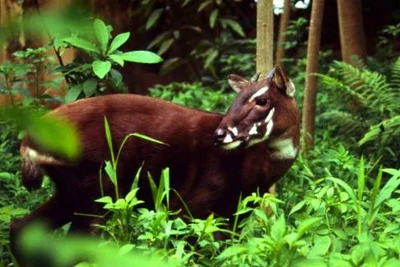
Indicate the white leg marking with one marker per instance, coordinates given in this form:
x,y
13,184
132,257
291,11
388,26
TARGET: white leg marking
x,y
260,92
285,149
35,157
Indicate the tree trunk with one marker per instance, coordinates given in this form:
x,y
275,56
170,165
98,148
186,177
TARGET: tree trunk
x,y
314,40
265,36
285,16
265,43
352,39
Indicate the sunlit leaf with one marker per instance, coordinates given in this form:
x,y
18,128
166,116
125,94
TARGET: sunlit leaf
x,y
141,56
101,33
101,68
82,43
118,41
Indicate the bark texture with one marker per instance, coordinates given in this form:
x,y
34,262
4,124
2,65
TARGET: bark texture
x,y
265,36
314,41
351,27
285,17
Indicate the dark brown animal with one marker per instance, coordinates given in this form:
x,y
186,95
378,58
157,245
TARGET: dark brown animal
x,y
212,157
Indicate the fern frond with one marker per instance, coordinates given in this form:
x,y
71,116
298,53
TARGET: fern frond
x,y
345,122
385,131
395,75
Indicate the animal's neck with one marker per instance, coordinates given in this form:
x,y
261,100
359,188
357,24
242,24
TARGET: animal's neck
x,y
284,146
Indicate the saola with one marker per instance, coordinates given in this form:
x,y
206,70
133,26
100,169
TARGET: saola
x,y
212,157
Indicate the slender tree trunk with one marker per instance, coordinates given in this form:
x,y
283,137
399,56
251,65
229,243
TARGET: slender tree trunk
x,y
314,40
265,43
352,39
285,16
265,36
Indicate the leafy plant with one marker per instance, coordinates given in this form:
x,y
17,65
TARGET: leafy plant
x,y
365,99
86,78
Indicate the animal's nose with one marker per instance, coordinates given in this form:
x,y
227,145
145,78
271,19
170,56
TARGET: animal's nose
x,y
220,135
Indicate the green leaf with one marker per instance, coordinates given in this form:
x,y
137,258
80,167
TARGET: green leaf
x,y
235,26
147,138
101,33
5,175
308,224
204,5
53,134
105,199
210,58
110,172
89,87
101,68
82,44
73,93
118,41
153,18
278,229
165,45
118,59
125,249
141,56
233,251
213,18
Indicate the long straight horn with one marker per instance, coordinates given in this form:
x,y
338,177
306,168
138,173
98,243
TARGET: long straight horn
x,y
255,77
271,74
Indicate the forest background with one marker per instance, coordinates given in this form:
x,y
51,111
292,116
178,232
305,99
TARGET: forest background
x,y
338,206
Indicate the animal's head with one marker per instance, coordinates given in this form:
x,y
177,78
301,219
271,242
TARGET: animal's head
x,y
261,110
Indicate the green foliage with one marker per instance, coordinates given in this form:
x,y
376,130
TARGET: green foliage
x,y
92,78
364,105
194,95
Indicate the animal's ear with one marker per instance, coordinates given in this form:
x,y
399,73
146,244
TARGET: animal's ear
x,y
282,81
237,82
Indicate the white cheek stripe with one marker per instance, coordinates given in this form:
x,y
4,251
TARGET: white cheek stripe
x,y
227,139
260,92
285,149
265,137
253,130
233,130
270,114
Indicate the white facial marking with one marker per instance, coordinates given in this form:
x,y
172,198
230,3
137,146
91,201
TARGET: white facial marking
x,y
270,114
253,130
232,145
268,131
227,139
260,92
35,157
233,130
285,149
258,123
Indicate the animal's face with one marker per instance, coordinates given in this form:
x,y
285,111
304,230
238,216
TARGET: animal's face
x,y
261,109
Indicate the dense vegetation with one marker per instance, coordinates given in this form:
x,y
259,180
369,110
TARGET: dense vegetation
x,y
338,206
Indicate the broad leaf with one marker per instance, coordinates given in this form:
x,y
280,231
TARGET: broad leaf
x,y
101,68
141,56
101,33
89,87
213,18
119,40
82,44
73,93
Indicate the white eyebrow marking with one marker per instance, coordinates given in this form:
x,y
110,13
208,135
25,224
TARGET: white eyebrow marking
x,y
261,91
253,130
285,149
233,130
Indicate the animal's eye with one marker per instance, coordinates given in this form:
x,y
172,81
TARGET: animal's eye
x,y
261,101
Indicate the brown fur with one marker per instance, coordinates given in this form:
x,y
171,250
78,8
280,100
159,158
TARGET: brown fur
x,y
207,177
